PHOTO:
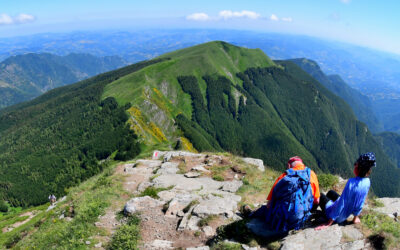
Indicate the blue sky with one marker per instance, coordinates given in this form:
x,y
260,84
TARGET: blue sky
x,y
370,23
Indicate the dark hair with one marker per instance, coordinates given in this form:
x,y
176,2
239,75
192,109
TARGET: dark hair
x,y
365,163
363,170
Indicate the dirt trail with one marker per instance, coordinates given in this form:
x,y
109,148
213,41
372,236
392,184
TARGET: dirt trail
x,y
30,215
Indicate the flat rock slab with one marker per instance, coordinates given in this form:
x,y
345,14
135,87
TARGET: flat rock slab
x,y
391,206
231,186
160,245
215,205
256,162
168,168
141,203
198,248
188,184
148,163
201,168
192,174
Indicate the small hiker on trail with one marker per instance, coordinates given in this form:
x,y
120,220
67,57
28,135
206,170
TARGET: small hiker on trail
x,y
291,198
52,199
338,207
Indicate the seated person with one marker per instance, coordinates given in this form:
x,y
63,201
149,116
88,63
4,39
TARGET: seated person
x,y
290,199
338,208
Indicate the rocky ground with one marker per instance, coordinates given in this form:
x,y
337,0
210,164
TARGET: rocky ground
x,y
189,198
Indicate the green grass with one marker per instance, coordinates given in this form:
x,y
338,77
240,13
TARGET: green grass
x,y
227,246
206,221
153,191
90,200
127,236
213,58
383,226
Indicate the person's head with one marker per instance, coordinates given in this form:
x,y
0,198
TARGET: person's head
x,y
293,161
364,164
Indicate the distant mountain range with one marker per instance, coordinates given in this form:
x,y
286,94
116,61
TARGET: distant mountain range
x,y
375,74
210,97
24,77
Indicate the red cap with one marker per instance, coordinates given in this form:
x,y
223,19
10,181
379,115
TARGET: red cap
x,y
293,159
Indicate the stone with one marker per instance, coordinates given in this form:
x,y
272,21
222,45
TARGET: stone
x,y
162,244
87,242
180,214
352,233
208,231
61,216
189,184
246,247
142,186
98,245
141,203
214,205
231,186
309,238
192,174
201,168
256,162
185,220
148,163
198,248
179,202
355,245
192,223
390,206
168,168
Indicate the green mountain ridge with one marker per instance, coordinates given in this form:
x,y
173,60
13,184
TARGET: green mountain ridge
x,y
360,104
210,97
24,77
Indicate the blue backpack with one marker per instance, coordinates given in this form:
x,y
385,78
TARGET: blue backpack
x,y
292,201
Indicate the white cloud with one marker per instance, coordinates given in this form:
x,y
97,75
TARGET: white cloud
x,y
287,19
345,1
227,14
24,18
19,19
274,17
198,17
5,19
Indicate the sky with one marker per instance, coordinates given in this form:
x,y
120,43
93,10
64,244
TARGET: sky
x,y
370,23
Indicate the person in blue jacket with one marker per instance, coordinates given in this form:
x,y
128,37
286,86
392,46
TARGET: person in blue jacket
x,y
339,208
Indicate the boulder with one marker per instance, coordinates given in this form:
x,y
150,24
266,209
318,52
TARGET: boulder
x,y
140,203
148,163
256,162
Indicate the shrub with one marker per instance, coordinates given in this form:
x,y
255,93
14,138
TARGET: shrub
x,y
327,181
127,236
3,207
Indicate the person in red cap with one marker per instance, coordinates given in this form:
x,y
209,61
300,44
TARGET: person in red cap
x,y
292,197
296,163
